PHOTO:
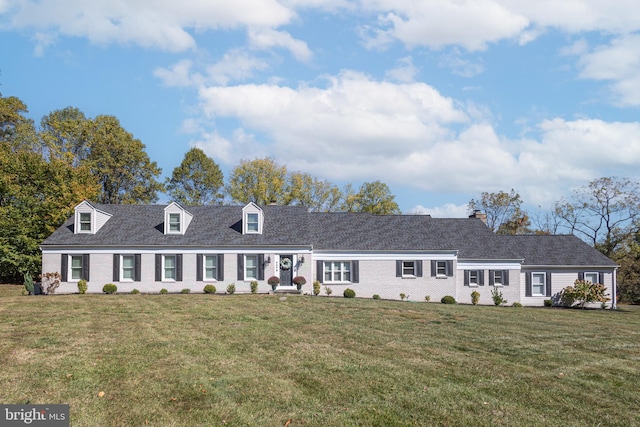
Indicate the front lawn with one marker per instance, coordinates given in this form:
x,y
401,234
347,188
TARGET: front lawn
x,y
253,360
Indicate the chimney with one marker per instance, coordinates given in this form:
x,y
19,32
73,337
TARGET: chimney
x,y
479,215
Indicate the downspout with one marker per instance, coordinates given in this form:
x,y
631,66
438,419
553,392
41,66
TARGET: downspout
x,y
613,291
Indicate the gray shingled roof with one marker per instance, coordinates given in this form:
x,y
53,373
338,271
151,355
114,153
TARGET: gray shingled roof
x,y
219,226
558,250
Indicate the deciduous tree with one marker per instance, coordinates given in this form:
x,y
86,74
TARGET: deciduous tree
x,y
504,215
260,181
197,181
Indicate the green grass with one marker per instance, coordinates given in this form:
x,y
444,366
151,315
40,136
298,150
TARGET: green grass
x,y
253,360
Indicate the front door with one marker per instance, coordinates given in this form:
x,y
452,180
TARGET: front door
x,y
286,270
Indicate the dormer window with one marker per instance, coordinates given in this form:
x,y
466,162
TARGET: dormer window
x,y
252,219
85,222
174,223
176,219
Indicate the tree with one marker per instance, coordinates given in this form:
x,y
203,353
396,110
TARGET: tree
x,y
376,198
119,162
317,195
604,213
64,135
197,181
260,181
504,215
628,257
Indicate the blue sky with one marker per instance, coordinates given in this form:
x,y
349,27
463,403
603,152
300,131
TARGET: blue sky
x,y
440,99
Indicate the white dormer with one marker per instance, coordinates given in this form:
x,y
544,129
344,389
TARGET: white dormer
x,y
176,219
88,219
252,219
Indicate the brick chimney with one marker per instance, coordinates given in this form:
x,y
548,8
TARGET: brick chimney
x,y
479,215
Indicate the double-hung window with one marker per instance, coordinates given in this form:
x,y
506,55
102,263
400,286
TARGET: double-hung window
x,y
251,267
408,268
474,278
85,221
538,284
498,278
253,223
337,271
128,267
210,267
174,223
76,267
169,266
591,277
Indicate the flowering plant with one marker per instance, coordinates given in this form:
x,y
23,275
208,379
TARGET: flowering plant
x,y
299,280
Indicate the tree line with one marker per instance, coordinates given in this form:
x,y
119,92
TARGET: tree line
x,y
46,170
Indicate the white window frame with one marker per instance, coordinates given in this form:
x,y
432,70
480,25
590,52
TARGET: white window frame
x,y
84,222
205,267
253,227
342,270
474,283
171,223
498,281
409,269
123,268
164,268
441,265
534,284
73,269
251,273
591,273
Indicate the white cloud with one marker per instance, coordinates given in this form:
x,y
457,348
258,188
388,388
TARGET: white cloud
x,y
448,210
267,38
405,72
618,63
460,66
235,65
161,24
179,75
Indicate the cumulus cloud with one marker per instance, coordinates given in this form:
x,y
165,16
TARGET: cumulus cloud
x,y
448,210
267,38
404,72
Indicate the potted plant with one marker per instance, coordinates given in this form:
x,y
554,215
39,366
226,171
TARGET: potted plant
x,y
299,281
274,281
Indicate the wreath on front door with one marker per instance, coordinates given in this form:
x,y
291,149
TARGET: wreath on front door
x,y
285,263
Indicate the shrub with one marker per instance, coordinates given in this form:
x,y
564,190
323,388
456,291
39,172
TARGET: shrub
x,y
497,298
517,304
164,291
28,283
82,287
135,291
548,303
475,297
349,293
185,291
231,289
427,298
299,280
328,290
209,289
254,287
583,292
273,281
403,296
376,296
448,299
316,287
51,281
110,288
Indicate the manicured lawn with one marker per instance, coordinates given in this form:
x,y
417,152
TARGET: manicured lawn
x,y
242,360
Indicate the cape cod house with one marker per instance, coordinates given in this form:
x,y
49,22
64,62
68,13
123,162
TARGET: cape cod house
x,y
150,247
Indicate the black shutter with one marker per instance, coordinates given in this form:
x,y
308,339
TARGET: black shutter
x,y
137,267
220,267
85,267
355,276
64,267
319,271
548,293
492,277
158,268
199,275
449,268
398,268
433,268
179,268
527,286
580,275
261,267
466,277
116,267
481,277
419,268
240,267
601,278
505,277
